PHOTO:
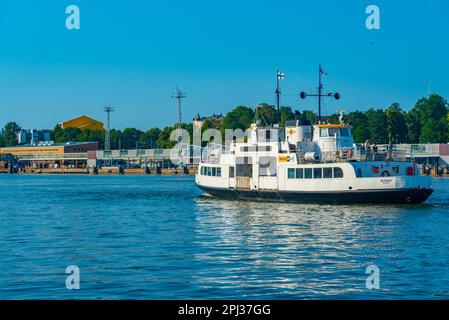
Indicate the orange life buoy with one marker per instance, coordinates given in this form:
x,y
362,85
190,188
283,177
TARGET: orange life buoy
x,y
385,174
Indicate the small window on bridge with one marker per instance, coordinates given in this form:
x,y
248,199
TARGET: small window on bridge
x,y
323,132
344,132
333,132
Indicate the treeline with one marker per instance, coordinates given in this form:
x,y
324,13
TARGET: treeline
x,y
426,122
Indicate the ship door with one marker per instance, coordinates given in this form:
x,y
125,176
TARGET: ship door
x,y
243,172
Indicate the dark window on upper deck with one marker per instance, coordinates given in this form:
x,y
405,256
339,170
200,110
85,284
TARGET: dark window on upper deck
x,y
338,172
327,173
308,173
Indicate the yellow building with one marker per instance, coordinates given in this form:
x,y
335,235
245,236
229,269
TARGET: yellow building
x,y
50,149
83,123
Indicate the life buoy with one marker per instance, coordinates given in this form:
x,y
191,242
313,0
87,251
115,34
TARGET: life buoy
x,y
350,153
385,173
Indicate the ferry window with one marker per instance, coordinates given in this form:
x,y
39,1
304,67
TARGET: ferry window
x,y
338,172
323,132
268,135
327,173
249,149
308,173
395,170
344,132
231,172
202,170
332,132
218,172
267,167
214,171
264,149
209,171
317,173
291,173
299,173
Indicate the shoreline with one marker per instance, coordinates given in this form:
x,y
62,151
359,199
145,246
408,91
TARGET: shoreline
x,y
105,171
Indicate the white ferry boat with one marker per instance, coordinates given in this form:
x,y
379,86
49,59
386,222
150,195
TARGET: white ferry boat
x,y
309,164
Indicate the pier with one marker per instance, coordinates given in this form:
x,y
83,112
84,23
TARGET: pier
x,y
432,158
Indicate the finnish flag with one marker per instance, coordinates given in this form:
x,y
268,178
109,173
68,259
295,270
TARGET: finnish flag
x,y
281,76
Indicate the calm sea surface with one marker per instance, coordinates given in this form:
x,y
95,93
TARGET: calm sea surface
x,y
156,237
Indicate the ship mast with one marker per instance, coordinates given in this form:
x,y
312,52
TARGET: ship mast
x,y
278,98
320,94
279,76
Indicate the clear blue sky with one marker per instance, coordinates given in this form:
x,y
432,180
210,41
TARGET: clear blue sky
x,y
222,53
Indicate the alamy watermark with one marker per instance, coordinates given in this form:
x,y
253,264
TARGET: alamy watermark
x,y
72,282
373,280
372,22
73,21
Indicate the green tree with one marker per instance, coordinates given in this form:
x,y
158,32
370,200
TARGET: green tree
x,y
240,117
396,124
115,137
377,125
413,126
434,131
309,116
97,136
10,134
286,114
149,138
2,139
130,138
359,122
431,113
266,114
164,142
333,118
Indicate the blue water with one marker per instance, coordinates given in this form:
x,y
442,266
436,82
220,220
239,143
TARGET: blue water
x,y
156,237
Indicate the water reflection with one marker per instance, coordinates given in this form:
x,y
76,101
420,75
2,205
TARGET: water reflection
x,y
290,248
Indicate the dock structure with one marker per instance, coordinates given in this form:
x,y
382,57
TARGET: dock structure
x,y
432,158
56,161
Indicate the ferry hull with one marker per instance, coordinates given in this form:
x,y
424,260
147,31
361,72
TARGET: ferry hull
x,y
400,196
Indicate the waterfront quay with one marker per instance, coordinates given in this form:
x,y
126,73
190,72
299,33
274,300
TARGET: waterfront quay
x,y
84,158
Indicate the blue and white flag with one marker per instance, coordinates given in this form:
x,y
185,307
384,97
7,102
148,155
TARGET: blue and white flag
x,y
281,76
322,71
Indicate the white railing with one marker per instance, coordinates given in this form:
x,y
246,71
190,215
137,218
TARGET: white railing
x,y
63,156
